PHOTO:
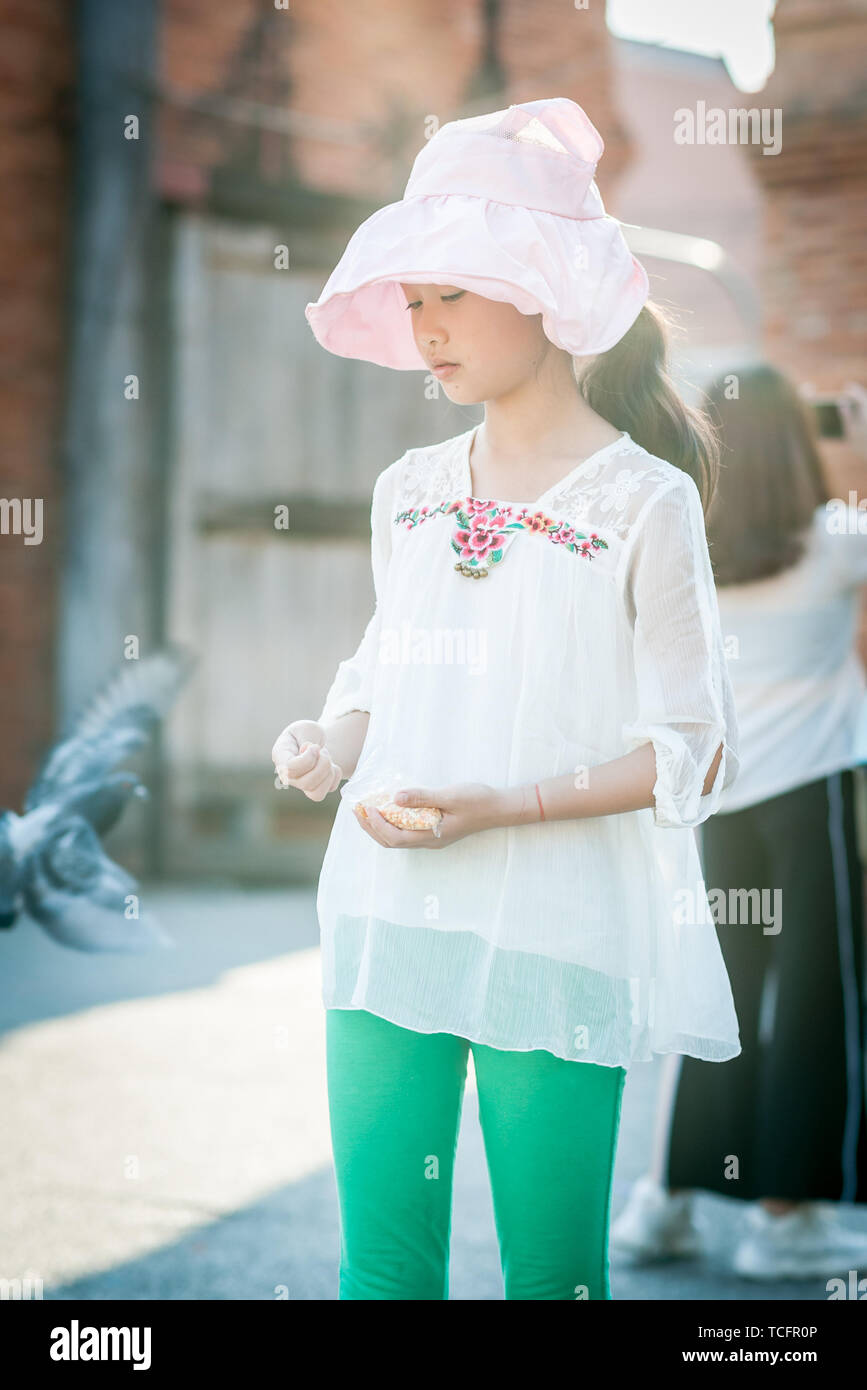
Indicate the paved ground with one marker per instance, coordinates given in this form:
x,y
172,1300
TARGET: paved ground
x,y
167,1130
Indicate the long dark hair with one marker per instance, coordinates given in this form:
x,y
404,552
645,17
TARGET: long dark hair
x,y
630,386
771,478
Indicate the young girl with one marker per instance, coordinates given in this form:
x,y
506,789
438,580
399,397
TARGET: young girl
x,y
545,667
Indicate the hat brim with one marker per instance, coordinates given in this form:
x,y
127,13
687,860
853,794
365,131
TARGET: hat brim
x,y
579,275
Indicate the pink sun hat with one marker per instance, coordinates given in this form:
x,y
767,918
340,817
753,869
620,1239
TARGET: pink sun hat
x,y
505,205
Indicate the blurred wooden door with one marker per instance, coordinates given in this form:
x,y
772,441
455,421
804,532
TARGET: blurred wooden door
x,y
263,419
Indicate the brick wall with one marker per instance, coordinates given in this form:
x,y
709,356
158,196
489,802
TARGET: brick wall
x,y
814,263
814,245
364,78
35,76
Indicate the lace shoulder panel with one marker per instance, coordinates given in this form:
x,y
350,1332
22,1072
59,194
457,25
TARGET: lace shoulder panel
x,y
611,493
429,475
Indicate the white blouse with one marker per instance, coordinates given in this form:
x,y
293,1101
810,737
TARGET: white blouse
x,y
593,629
798,681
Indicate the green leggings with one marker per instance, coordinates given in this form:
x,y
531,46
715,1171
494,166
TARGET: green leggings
x,y
550,1133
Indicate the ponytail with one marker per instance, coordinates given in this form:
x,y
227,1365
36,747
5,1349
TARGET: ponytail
x,y
630,387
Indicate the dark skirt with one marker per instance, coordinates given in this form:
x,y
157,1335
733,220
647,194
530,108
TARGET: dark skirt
x,y
788,1117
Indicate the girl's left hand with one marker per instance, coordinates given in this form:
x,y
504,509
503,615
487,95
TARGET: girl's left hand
x,y
466,808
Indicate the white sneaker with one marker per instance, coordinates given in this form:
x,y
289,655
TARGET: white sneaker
x,y
654,1225
808,1242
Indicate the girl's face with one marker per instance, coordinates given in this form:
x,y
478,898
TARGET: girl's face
x,y
493,346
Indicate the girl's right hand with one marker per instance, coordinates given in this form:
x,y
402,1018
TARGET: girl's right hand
x,y
301,760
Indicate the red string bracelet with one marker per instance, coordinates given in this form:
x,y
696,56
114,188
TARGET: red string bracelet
x,y
539,799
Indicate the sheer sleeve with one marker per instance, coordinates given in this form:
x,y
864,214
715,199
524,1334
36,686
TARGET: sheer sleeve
x,y
352,684
685,702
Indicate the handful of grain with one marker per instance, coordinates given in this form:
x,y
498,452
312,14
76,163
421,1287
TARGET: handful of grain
x,y
404,817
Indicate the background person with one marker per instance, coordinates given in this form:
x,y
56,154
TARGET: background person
x,y
789,1111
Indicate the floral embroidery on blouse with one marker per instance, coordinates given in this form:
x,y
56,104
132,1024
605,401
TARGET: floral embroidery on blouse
x,y
484,527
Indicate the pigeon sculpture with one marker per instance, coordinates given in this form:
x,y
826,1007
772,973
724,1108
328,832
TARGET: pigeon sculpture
x,y
52,864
